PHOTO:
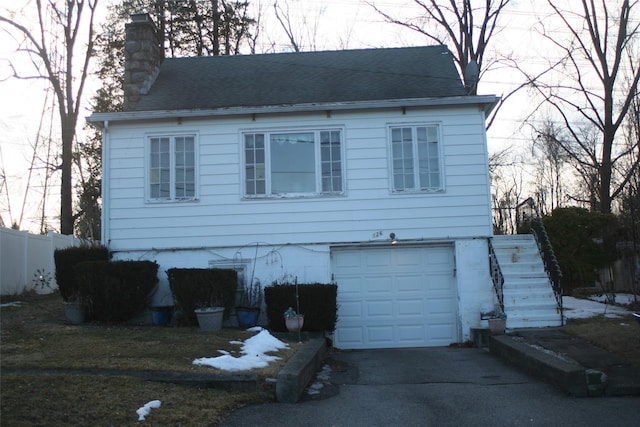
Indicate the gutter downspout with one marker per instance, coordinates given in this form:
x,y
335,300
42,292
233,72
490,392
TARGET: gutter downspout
x,y
106,168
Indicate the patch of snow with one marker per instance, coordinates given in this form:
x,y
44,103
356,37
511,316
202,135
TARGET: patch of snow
x,y
322,377
315,388
11,304
578,308
550,352
621,299
253,352
143,411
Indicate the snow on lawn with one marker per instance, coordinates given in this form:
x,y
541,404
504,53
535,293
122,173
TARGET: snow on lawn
x,y
143,411
12,304
253,352
578,308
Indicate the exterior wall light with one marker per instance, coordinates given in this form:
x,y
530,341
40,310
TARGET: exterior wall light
x,y
392,237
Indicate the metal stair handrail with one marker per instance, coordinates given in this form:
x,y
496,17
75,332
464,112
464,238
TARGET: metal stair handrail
x,y
528,220
496,275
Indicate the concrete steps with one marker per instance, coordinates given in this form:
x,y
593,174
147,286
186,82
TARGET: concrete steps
x,y
529,301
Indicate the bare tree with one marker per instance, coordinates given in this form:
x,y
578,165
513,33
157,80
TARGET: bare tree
x,y
598,82
465,28
62,39
550,161
301,33
506,172
507,193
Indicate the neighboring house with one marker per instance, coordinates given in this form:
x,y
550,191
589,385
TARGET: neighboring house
x,y
367,168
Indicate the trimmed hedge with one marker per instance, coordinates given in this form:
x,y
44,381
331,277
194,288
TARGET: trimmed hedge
x,y
201,287
318,303
116,291
66,259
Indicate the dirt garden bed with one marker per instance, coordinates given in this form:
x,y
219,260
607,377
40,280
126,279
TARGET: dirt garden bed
x,y
35,335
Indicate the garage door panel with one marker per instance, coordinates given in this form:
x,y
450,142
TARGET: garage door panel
x,y
412,333
352,287
409,283
379,310
440,333
350,310
376,260
437,306
350,336
379,285
410,307
380,334
439,283
408,258
395,297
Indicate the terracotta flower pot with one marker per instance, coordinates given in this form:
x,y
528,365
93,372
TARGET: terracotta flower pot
x,y
497,326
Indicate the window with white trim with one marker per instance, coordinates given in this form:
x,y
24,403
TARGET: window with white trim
x,y
172,168
305,162
415,159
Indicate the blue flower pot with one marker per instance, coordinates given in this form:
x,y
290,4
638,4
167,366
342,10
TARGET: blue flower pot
x,y
161,316
247,316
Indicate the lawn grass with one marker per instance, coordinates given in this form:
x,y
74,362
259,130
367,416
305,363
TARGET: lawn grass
x,y
618,335
57,400
36,335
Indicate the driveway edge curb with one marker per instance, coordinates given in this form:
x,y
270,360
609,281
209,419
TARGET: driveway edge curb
x,y
299,369
566,374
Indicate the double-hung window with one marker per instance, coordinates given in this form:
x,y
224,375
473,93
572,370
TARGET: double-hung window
x,y
172,168
293,163
416,159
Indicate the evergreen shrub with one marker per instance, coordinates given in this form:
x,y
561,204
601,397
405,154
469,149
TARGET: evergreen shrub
x,y
317,301
194,288
116,291
67,258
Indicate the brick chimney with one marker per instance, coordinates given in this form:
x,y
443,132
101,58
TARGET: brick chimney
x,y
143,55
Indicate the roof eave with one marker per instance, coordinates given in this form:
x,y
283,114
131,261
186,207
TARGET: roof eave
x,y
486,102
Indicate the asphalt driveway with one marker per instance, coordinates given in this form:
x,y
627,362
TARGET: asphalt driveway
x,y
435,387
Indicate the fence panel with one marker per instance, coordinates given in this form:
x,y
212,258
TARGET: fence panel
x,y
22,254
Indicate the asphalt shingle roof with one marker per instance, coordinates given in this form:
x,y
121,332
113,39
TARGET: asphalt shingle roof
x,y
303,78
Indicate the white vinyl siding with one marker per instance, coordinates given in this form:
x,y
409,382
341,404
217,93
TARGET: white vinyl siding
x,y
226,215
172,168
415,158
293,163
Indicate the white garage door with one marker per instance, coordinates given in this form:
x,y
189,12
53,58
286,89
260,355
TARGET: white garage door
x,y
395,297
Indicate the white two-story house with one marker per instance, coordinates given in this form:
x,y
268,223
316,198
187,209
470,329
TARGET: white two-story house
x,y
366,168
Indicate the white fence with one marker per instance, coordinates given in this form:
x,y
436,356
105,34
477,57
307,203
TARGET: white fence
x,y
22,254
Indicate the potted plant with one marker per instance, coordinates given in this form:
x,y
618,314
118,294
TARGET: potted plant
x,y
210,315
497,321
293,320
162,310
249,309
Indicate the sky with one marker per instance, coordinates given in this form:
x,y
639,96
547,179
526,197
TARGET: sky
x,y
329,24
